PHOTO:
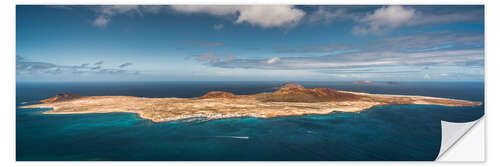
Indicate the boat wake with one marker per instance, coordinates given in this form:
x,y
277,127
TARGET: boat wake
x,y
235,137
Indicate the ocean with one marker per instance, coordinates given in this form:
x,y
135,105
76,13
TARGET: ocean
x,y
395,132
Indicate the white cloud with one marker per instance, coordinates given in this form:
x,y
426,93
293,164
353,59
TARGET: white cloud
x,y
118,9
210,9
390,17
101,21
257,74
463,58
105,13
327,14
427,76
270,16
40,68
385,18
208,57
218,27
450,16
273,60
265,16
428,41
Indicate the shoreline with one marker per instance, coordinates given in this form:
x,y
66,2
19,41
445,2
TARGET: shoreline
x,y
221,105
141,114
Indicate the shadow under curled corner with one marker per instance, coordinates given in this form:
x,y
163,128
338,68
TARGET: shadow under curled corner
x,y
452,132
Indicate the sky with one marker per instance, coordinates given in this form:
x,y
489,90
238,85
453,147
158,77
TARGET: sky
x,y
249,43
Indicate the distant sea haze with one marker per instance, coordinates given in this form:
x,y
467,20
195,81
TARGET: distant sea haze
x,y
380,133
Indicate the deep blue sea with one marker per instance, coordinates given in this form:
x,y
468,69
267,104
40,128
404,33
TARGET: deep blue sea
x,y
398,132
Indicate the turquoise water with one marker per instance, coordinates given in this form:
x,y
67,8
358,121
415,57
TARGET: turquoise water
x,y
399,132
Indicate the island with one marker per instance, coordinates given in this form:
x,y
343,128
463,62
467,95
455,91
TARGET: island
x,y
288,100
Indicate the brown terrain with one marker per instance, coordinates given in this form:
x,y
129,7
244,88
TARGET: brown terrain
x,y
60,97
289,100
